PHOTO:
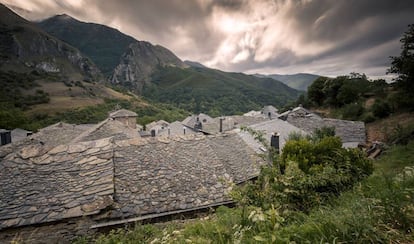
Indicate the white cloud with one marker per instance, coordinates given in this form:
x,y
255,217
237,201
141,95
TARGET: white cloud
x,y
270,36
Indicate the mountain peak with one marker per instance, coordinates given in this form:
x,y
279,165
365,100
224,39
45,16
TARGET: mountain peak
x,y
63,17
194,64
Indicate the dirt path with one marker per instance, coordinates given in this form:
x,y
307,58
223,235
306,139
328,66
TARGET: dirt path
x,y
380,129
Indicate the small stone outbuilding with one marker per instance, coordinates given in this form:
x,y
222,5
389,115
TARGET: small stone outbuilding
x,y
126,117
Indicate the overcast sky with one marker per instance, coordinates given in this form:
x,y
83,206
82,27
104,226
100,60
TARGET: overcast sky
x,y
325,37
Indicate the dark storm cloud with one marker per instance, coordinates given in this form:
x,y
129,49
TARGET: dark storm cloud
x,y
330,37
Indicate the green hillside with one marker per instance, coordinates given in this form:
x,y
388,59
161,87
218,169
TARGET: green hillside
x,y
300,81
215,92
102,44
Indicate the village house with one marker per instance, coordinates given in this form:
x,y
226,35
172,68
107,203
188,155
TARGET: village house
x,y
352,133
156,126
70,180
176,128
270,112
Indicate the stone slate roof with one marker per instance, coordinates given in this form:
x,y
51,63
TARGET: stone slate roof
x,y
348,131
165,174
247,120
43,183
122,113
270,109
19,134
60,133
157,125
268,128
175,128
190,121
108,128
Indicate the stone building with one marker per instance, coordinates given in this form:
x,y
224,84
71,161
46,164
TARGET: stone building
x,y
176,128
126,117
69,180
351,132
270,112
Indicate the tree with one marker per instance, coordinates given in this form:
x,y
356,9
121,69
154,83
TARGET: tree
x,y
315,91
403,65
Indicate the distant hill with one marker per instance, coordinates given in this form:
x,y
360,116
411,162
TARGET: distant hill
x,y
102,44
24,47
216,92
300,81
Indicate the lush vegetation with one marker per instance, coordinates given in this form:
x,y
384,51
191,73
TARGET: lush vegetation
x,y
349,97
331,201
215,92
403,66
16,86
13,117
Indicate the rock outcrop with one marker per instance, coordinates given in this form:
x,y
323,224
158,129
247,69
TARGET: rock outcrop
x,y
25,47
140,62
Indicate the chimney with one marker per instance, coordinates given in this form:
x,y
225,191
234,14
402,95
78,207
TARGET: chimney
x,y
274,141
221,124
5,136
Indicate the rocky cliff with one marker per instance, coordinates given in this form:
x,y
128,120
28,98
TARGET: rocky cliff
x,y
140,61
102,44
25,47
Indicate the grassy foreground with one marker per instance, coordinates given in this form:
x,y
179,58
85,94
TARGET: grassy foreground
x,y
379,208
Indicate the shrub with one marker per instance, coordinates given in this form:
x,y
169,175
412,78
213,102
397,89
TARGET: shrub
x,y
381,109
352,111
311,172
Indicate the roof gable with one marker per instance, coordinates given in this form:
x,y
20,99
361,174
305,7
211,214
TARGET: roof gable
x,y
122,113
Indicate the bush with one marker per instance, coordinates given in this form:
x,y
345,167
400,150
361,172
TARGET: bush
x,y
381,109
311,172
368,118
352,111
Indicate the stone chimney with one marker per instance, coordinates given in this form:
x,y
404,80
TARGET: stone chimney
x,y
274,141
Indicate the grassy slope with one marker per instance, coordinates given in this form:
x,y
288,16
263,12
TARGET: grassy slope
x,y
32,101
79,95
216,92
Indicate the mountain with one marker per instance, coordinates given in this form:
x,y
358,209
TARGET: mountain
x,y
194,64
102,44
299,81
24,47
215,92
158,74
140,61
44,80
